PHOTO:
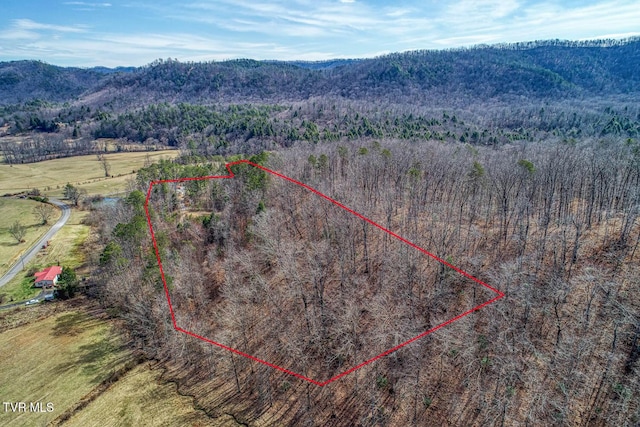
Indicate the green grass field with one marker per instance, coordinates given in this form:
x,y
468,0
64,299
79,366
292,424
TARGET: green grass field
x,y
83,171
12,210
59,360
64,248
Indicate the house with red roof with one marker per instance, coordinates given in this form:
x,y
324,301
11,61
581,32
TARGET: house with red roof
x,y
48,277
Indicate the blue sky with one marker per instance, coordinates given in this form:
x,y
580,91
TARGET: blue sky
x,y
135,32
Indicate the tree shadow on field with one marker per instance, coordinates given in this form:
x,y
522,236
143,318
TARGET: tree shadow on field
x,y
95,359
72,324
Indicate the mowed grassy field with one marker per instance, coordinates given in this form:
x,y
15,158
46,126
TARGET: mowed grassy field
x,y
59,354
84,172
59,360
64,248
12,210
140,398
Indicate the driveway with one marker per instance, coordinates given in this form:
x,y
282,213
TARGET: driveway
x,y
39,298
18,266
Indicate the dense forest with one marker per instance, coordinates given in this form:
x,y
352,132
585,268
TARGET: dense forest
x,y
250,128
518,163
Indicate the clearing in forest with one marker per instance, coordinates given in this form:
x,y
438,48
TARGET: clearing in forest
x,y
311,287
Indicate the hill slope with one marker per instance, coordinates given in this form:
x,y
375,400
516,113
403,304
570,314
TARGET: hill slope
x,y
23,81
548,70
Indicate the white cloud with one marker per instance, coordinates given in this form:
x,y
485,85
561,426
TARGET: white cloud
x,y
115,49
481,9
28,24
325,21
466,40
398,12
26,29
470,22
18,34
591,21
87,4
309,29
613,36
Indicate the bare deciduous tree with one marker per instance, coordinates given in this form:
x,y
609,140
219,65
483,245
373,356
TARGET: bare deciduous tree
x,y
43,212
74,193
104,162
18,231
299,282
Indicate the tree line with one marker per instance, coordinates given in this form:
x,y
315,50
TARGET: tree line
x,y
251,128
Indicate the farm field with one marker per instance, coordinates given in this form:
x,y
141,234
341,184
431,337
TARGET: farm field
x,y
12,210
58,359
141,398
63,355
64,248
84,172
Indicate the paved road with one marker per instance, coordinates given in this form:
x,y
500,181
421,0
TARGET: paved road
x,y
17,267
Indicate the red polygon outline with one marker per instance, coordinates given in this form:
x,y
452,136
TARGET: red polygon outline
x,y
350,370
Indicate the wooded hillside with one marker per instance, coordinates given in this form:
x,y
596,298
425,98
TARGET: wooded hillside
x,y
541,69
255,263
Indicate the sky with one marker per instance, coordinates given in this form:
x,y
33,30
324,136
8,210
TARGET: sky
x,y
136,32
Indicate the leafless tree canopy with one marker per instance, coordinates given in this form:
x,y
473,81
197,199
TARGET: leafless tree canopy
x,y
260,264
43,212
17,231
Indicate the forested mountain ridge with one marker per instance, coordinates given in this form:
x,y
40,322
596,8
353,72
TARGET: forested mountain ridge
x,y
446,77
24,81
546,70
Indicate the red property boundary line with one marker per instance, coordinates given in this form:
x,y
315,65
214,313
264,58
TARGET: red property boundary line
x,y
498,293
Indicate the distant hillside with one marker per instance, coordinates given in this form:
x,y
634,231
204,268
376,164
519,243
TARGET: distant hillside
x,y
544,70
540,70
23,81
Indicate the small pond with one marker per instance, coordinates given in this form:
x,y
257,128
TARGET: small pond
x,y
106,201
